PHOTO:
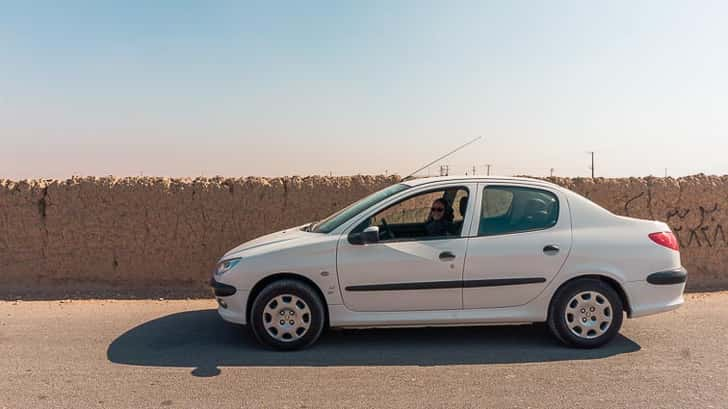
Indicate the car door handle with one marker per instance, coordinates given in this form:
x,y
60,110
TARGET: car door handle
x,y
447,256
551,249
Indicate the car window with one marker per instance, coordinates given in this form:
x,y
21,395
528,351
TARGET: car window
x,y
411,218
496,202
342,216
408,211
512,209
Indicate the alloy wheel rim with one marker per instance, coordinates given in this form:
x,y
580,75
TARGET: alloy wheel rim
x,y
589,314
286,317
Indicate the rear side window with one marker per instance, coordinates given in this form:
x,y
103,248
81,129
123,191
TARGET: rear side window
x,y
513,209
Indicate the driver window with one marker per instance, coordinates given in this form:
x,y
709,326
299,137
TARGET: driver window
x,y
432,214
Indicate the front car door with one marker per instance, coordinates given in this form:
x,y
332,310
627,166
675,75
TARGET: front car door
x,y
410,268
519,242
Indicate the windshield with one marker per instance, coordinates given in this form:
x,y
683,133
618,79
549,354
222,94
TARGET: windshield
x,y
342,216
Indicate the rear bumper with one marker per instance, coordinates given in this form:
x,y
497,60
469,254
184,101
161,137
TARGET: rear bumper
x,y
677,276
661,292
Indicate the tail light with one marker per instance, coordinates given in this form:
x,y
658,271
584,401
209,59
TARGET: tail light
x,y
666,239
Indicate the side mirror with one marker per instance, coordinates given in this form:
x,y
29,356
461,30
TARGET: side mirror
x,y
370,235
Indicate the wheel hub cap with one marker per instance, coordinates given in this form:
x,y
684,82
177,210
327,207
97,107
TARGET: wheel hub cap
x,y
286,317
588,314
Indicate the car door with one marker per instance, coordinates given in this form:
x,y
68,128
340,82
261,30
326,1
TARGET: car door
x,y
518,244
407,273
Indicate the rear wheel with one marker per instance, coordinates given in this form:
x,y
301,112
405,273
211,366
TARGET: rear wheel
x,y
286,315
585,313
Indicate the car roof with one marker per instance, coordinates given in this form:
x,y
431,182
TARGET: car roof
x,y
481,179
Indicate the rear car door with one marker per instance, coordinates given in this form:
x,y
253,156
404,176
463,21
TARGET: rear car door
x,y
519,241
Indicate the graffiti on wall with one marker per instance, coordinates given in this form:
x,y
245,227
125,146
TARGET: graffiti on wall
x,y
697,227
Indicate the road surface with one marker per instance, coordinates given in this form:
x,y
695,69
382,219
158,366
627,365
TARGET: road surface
x,y
179,354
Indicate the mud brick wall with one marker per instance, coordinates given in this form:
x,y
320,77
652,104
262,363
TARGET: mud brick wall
x,y
139,232
695,207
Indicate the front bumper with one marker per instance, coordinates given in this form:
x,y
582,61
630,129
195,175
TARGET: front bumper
x,y
222,290
231,301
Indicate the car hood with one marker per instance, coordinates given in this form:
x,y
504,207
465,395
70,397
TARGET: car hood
x,y
291,235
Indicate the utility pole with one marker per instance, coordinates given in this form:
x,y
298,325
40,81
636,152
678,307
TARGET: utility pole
x,y
592,163
665,172
487,171
473,170
552,172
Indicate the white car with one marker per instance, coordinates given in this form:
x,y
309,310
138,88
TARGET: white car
x,y
503,251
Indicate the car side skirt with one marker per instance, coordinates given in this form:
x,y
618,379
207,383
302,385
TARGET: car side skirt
x,y
342,317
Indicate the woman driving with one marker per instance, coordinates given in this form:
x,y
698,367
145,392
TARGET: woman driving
x,y
439,222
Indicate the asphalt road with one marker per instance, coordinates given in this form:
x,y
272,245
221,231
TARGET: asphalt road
x,y
179,354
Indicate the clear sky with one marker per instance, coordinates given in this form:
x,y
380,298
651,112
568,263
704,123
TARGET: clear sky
x,y
185,88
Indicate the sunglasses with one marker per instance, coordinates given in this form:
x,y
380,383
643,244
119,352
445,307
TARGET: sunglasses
x,y
438,209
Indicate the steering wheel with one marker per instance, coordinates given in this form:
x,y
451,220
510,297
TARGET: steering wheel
x,y
389,231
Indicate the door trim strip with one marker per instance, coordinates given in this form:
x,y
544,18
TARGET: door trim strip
x,y
436,285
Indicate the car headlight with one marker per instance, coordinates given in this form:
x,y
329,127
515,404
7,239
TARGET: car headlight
x,y
226,265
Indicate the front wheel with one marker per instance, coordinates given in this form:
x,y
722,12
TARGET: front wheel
x,y
286,315
585,313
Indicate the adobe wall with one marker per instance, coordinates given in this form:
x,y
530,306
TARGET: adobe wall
x,y
695,207
153,232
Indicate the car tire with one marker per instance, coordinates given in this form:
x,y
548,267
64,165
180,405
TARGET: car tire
x,y
585,313
287,315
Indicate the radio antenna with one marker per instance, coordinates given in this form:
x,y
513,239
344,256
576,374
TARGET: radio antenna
x,y
441,158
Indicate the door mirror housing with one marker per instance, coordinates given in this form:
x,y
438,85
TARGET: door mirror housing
x,y
369,235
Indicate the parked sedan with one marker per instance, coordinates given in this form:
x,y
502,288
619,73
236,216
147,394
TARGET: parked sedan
x,y
454,251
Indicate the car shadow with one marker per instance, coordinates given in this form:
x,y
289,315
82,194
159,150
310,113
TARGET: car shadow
x,y
201,340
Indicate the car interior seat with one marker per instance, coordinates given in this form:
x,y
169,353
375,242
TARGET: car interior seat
x,y
535,214
462,206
